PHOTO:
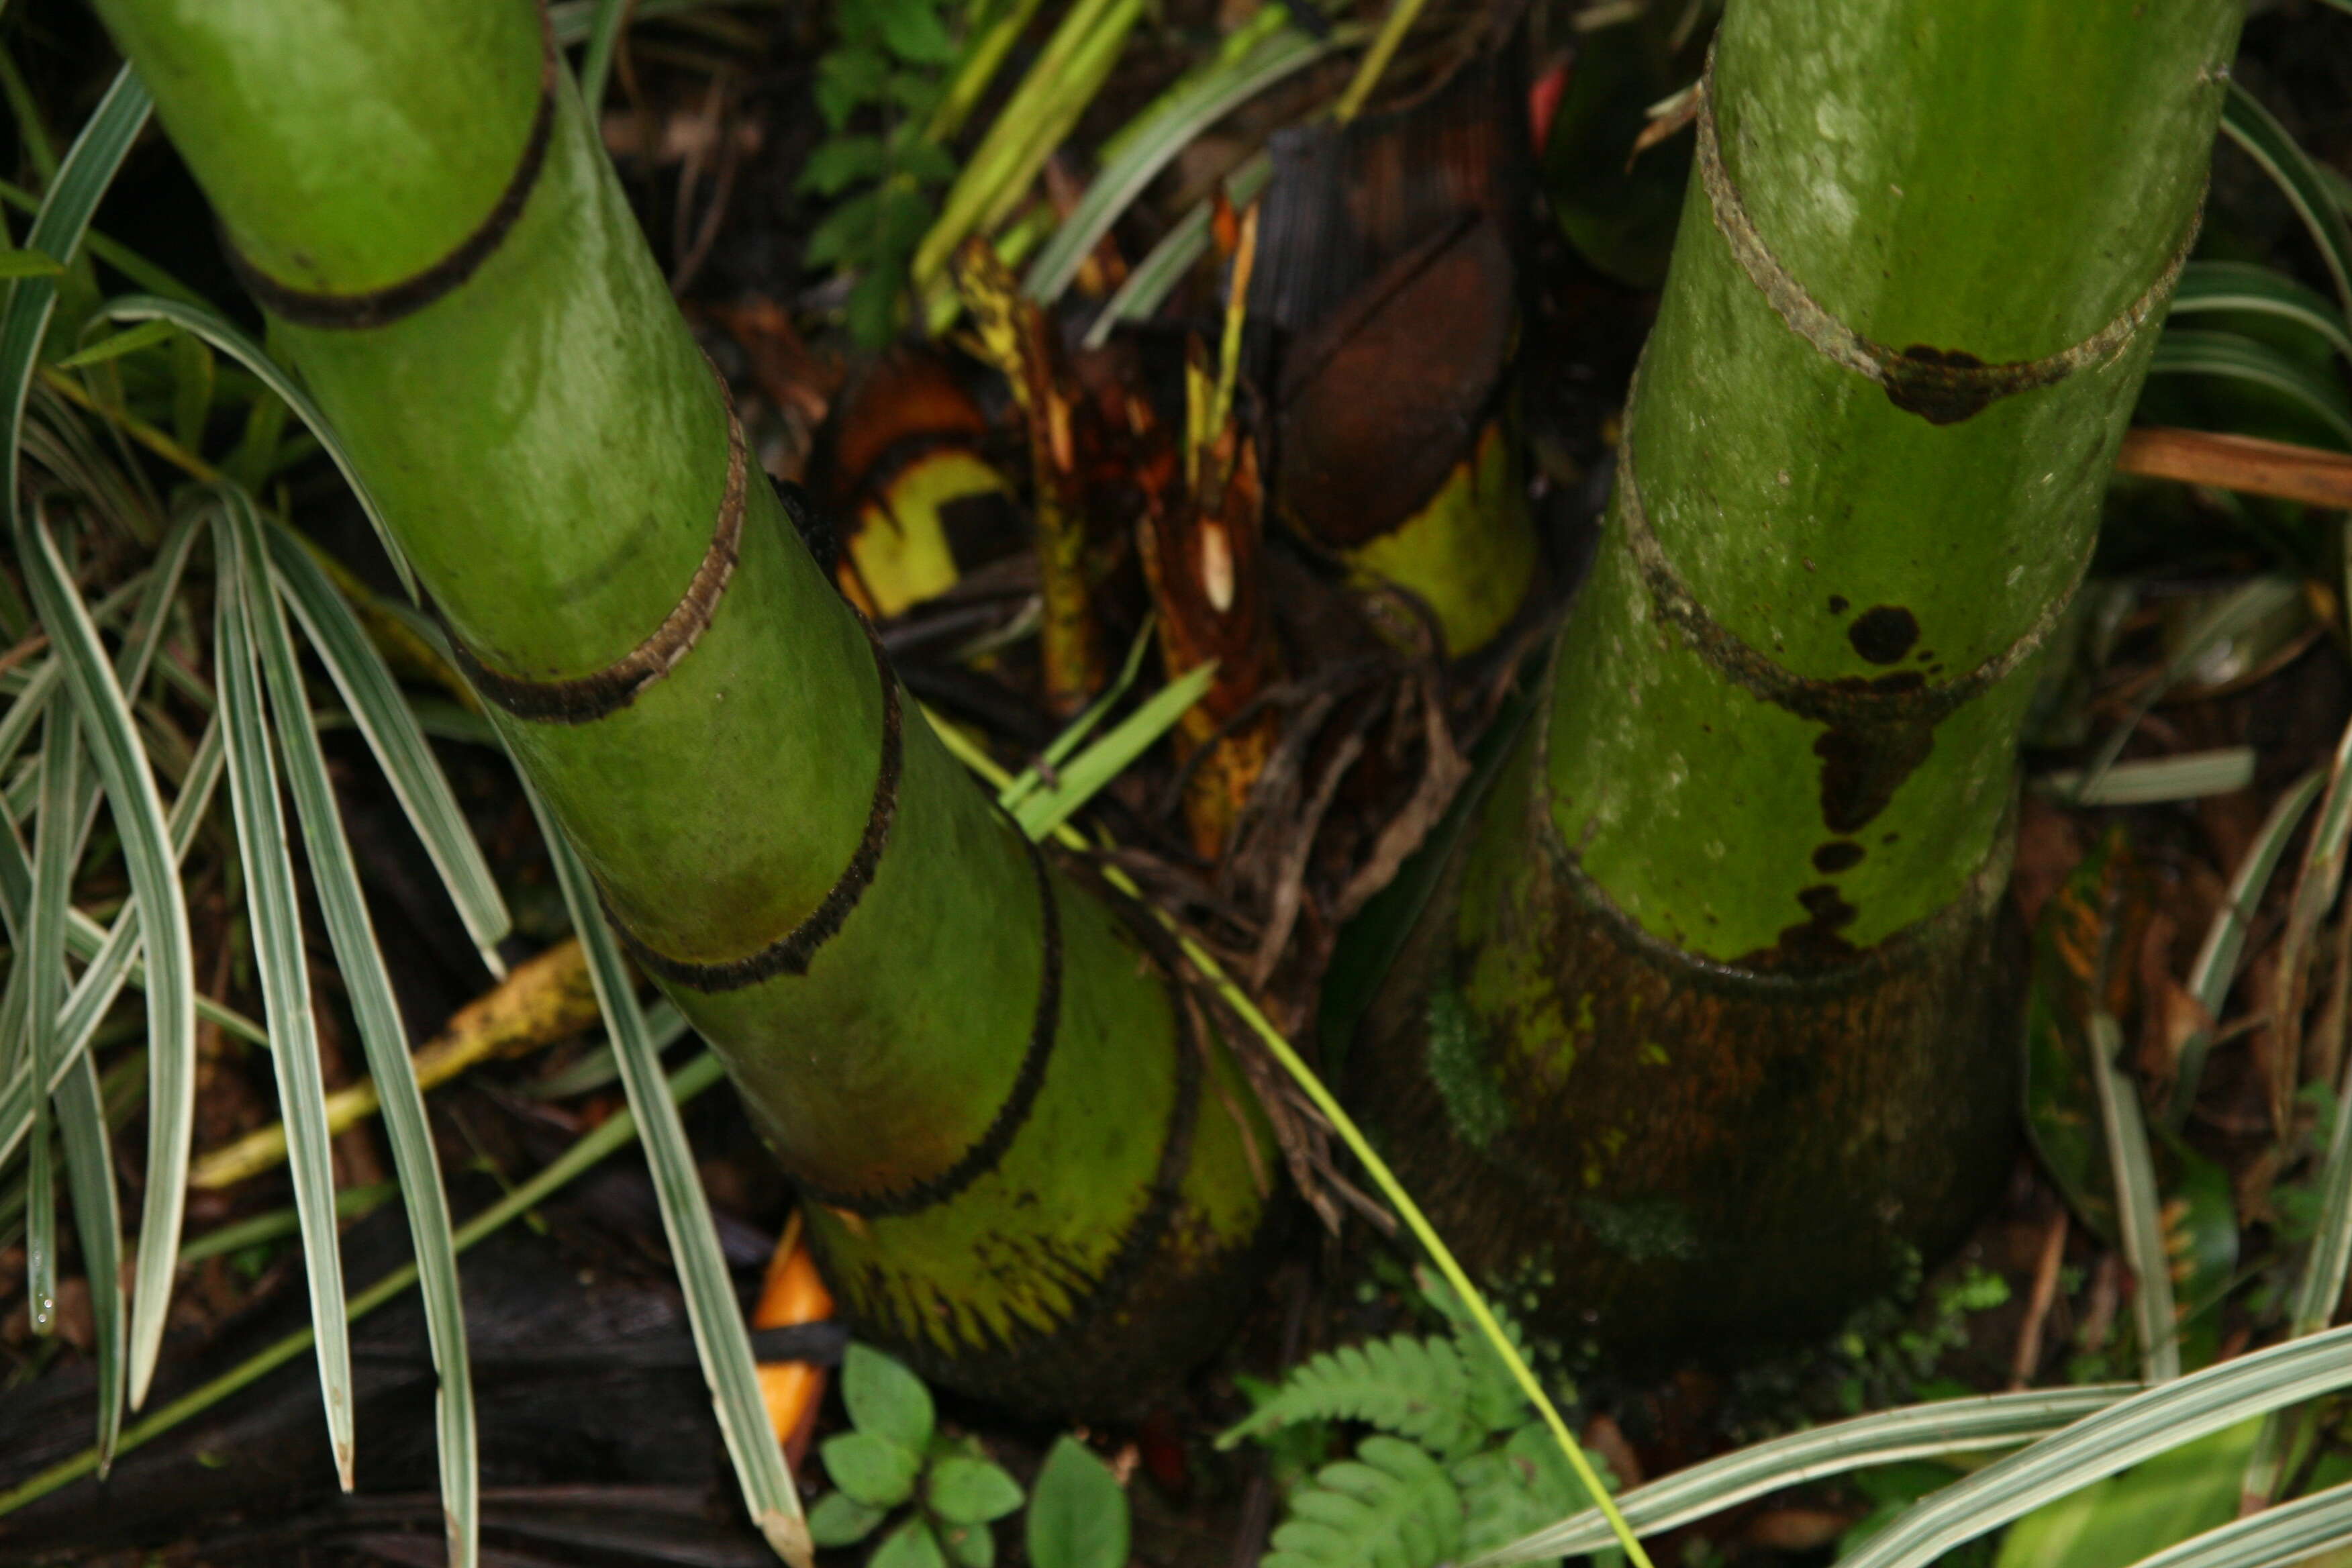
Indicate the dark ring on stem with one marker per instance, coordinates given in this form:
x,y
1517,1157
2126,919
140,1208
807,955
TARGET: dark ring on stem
x,y
588,698
1841,701
791,952
1942,386
982,1157
382,307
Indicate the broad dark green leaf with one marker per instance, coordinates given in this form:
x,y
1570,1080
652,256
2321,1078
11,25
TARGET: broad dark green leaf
x,y
965,1490
872,1470
885,1399
1077,1512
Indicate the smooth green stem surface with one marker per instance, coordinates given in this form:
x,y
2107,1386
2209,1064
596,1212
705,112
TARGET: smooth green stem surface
x,y
551,452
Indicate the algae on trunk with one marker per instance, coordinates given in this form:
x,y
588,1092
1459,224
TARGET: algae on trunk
x,y
1722,938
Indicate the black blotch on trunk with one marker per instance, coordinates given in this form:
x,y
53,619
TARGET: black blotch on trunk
x,y
1883,634
1819,939
1838,604
1864,764
1837,855
1931,383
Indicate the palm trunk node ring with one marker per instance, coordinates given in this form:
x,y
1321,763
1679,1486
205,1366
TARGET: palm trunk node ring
x,y
1701,1037
1032,1174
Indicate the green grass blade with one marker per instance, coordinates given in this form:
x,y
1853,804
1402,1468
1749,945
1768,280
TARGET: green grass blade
x,y
120,344
1046,809
217,330
2243,288
2233,357
575,20
1076,732
111,734
2099,1446
2289,1533
275,917
336,880
717,1317
2253,128
2321,1285
615,1133
1155,143
350,1203
1343,1125
1891,1436
2216,968
25,710
596,65
2247,606
2151,781
57,233
112,960
2132,1167
1164,266
389,726
98,1221
43,961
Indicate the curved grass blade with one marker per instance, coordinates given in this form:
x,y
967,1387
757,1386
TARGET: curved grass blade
x,y
2243,288
1074,733
2235,357
275,919
2288,1533
603,36
2247,606
574,21
2216,968
2253,128
2321,1285
2132,1167
615,1133
720,1338
390,729
112,957
217,330
98,1221
1157,275
57,233
1041,811
113,737
2149,781
1278,1046
2099,1445
1914,1431
335,879
1154,144
43,961
25,711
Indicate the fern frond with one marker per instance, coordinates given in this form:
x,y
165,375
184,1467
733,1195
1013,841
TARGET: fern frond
x,y
1392,1506
1516,1490
1415,1388
1493,1397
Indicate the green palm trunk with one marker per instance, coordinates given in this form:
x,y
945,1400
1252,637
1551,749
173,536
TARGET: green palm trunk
x,y
1730,1041
1029,1169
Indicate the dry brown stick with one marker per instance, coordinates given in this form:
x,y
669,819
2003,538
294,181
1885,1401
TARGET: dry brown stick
x,y
2246,463
2037,1305
540,1002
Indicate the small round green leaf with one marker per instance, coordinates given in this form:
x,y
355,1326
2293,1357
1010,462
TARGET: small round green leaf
x,y
886,1400
911,1545
873,1470
1077,1514
840,1520
970,1546
970,1491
